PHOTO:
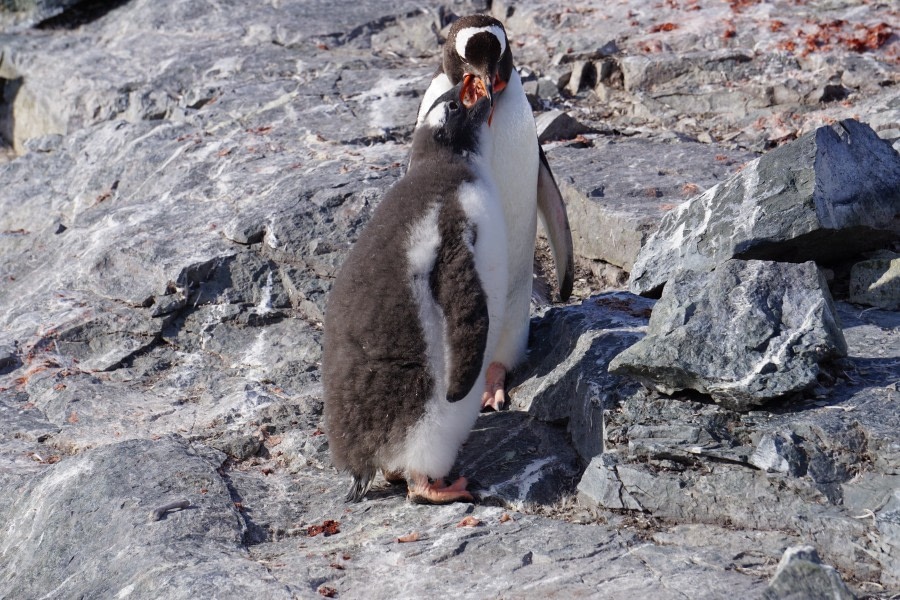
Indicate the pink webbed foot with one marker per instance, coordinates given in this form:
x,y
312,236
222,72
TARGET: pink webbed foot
x,y
494,383
423,492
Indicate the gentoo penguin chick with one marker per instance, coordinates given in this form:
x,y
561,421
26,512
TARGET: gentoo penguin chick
x,y
477,54
416,311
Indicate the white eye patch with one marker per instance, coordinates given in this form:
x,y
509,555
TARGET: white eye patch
x,y
437,116
464,35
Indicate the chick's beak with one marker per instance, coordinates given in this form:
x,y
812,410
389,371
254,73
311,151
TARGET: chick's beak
x,y
475,87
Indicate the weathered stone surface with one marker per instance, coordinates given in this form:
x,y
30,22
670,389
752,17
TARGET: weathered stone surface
x,y
600,485
189,176
829,195
557,125
72,530
876,282
16,15
618,192
748,332
584,75
734,73
565,378
523,556
801,574
803,468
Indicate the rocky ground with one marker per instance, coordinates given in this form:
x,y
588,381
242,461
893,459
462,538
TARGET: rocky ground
x,y
182,180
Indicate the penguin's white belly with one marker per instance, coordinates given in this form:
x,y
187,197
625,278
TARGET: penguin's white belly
x,y
433,443
515,165
514,169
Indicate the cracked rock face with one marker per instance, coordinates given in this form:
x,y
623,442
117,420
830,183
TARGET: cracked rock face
x,y
180,183
831,194
801,574
565,379
807,465
746,333
74,528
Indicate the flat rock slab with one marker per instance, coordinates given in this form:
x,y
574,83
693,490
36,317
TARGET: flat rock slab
x,y
71,531
618,190
386,547
746,333
832,193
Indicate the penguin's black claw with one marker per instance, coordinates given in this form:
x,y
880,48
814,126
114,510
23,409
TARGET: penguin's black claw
x,y
359,487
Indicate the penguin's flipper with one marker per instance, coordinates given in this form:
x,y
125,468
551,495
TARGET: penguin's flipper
x,y
552,211
457,290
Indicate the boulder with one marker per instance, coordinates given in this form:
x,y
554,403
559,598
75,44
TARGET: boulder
x,y
565,379
801,574
831,194
618,192
876,282
803,469
557,125
746,333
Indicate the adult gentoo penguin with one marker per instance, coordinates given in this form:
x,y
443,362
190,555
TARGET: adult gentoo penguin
x,y
416,311
477,53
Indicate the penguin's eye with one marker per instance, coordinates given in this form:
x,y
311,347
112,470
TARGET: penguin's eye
x,y
453,106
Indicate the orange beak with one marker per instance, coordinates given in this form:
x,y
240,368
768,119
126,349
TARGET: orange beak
x,y
474,89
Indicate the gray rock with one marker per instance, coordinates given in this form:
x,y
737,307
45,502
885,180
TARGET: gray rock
x,y
518,462
618,191
71,530
16,15
801,574
797,465
649,72
875,497
830,194
557,125
543,88
584,76
565,378
876,282
779,453
747,333
601,486
9,359
171,223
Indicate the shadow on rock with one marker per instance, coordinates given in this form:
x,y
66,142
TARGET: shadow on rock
x,y
513,459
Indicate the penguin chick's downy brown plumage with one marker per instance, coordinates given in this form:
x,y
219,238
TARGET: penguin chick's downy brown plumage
x,y
416,310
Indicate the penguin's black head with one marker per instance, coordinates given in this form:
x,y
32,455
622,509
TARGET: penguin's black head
x,y
450,124
477,53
